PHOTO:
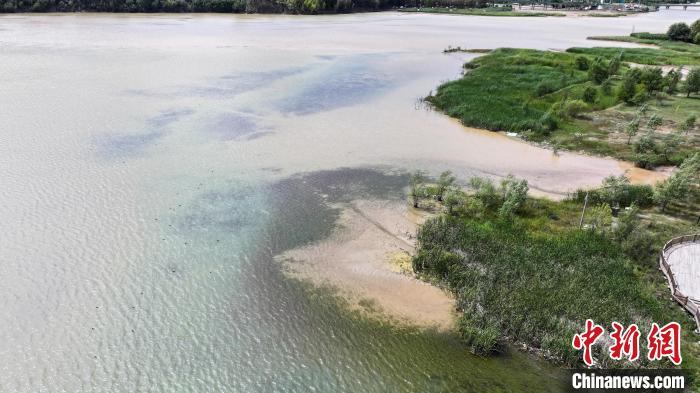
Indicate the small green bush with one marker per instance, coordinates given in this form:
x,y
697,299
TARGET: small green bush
x,y
598,71
549,123
575,108
589,95
679,32
582,63
544,88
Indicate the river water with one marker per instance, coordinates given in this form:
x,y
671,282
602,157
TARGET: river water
x,y
151,167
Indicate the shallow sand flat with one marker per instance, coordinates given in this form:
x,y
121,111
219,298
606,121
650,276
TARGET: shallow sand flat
x,y
363,259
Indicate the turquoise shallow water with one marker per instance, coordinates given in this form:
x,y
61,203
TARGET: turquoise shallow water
x,y
152,166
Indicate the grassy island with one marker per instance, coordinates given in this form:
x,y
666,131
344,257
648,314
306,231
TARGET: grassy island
x,y
608,101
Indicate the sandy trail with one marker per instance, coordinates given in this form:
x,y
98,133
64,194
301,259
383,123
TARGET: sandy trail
x,y
368,259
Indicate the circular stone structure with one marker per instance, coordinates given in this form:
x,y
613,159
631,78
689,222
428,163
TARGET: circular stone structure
x,y
680,262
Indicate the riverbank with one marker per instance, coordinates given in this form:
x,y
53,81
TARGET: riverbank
x,y
506,12
368,259
513,12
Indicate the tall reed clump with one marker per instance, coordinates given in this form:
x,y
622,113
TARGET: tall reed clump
x,y
533,288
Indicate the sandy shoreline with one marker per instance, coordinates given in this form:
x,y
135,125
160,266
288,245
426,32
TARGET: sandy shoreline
x,y
367,258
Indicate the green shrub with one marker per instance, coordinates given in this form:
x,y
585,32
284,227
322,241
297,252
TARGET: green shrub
x,y
485,191
549,123
696,39
598,71
544,88
652,78
513,192
575,108
615,63
628,89
679,32
641,195
649,36
589,95
582,63
692,82
695,28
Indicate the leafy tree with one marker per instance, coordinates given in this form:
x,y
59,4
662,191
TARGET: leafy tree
x,y
628,88
417,185
669,144
627,223
589,95
312,6
598,71
485,191
642,110
695,28
445,181
671,81
652,78
614,65
655,121
453,198
514,193
692,82
614,189
645,143
679,32
681,185
688,124
645,151
632,129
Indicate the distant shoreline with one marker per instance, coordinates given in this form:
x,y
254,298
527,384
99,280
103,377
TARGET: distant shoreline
x,y
184,7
